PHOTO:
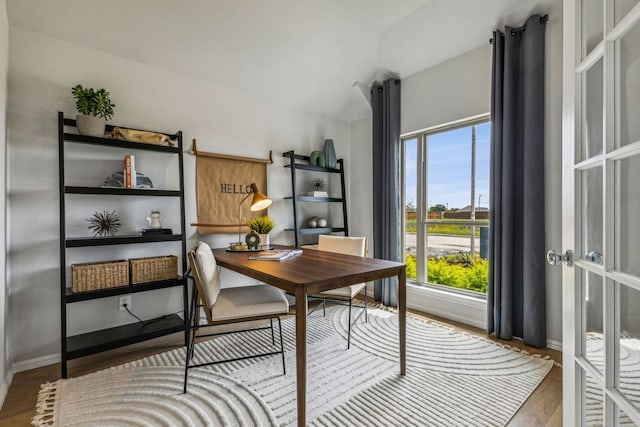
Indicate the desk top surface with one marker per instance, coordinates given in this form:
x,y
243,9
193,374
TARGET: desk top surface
x,y
314,270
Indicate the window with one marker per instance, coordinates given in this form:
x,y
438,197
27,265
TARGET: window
x,y
446,210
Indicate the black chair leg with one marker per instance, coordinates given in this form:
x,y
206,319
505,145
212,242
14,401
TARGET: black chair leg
x,y
324,304
284,367
349,329
190,351
190,348
273,339
186,367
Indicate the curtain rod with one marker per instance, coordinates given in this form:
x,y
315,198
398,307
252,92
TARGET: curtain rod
x,y
543,19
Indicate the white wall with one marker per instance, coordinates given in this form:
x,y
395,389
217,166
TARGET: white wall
x,y
454,90
360,206
458,89
5,362
41,74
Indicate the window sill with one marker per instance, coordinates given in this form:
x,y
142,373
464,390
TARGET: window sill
x,y
465,309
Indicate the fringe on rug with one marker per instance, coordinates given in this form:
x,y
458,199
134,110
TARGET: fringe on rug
x,y
46,407
380,306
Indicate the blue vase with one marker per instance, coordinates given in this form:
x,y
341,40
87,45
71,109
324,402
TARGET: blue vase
x,y
330,153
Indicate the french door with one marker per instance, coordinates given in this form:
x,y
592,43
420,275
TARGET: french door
x,y
601,212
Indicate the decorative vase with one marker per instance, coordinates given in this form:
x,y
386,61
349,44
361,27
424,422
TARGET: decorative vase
x,y
90,125
264,241
317,158
312,222
253,240
330,153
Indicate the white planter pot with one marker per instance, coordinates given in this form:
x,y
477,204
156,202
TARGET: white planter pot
x,y
264,240
90,125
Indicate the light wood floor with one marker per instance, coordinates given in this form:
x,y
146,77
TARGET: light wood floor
x,y
543,408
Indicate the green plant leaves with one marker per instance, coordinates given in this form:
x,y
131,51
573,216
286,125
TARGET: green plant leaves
x,y
93,103
457,270
261,224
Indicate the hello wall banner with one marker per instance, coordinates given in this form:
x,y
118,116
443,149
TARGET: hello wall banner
x,y
222,181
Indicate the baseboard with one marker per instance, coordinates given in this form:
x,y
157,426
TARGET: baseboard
x,y
38,362
4,387
554,345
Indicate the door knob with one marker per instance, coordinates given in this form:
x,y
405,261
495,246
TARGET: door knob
x,y
595,256
554,258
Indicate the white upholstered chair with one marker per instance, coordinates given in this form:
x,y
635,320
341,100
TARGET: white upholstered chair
x,y
228,305
349,246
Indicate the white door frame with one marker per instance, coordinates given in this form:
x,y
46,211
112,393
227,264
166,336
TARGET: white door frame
x,y
571,387
574,66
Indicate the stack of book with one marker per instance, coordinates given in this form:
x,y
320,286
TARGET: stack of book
x,y
318,194
276,254
129,171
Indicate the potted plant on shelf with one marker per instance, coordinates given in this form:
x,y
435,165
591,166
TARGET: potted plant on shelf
x,y
263,226
95,109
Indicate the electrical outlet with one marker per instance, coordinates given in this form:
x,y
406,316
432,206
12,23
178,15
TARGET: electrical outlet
x,y
124,300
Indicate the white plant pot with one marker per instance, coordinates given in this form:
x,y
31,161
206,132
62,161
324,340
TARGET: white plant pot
x,y
264,240
90,125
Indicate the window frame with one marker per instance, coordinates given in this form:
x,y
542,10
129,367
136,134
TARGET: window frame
x,y
422,220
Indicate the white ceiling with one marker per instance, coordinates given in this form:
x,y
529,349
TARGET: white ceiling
x,y
304,54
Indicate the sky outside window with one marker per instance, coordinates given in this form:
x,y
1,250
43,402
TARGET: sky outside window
x,y
449,167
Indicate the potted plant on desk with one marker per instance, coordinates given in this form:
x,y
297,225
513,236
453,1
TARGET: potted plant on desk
x,y
95,109
263,226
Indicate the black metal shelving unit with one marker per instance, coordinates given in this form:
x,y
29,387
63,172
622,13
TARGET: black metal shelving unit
x,y
79,242
97,341
299,162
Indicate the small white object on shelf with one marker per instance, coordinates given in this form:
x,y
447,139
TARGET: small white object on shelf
x,y
317,194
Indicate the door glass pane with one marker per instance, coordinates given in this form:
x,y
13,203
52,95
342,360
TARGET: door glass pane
x,y
622,7
592,21
592,401
411,197
591,210
592,320
592,111
627,228
623,419
628,351
628,87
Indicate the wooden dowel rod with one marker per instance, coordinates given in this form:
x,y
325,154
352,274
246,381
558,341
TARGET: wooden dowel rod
x,y
194,151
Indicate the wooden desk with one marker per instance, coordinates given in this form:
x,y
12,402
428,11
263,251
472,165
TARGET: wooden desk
x,y
312,272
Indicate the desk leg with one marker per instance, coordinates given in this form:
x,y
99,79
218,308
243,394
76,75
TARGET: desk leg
x,y
402,314
301,354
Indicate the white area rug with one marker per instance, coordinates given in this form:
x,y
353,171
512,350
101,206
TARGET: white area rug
x,y
452,379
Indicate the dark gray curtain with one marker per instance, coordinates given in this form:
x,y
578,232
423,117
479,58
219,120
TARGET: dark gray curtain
x,y
516,301
385,101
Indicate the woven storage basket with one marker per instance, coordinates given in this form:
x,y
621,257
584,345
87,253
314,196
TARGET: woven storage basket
x,y
152,269
93,276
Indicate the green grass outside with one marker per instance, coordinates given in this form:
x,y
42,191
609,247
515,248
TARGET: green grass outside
x,y
458,270
451,229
